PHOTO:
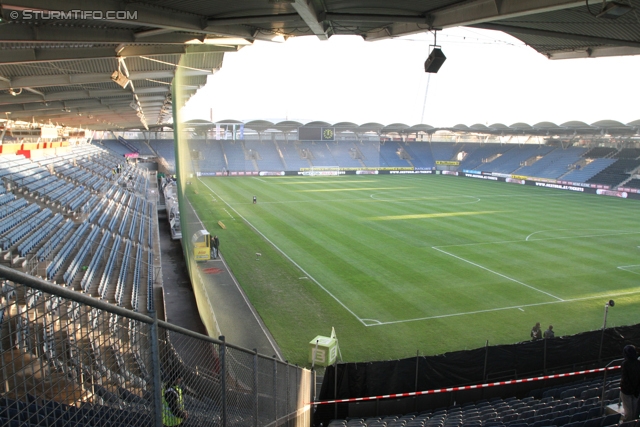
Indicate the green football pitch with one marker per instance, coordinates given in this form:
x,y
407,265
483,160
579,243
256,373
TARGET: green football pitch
x,y
406,265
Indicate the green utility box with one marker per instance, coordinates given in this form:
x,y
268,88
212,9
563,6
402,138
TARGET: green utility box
x,y
323,351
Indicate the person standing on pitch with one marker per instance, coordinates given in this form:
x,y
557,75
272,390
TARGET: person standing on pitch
x,y
630,383
216,247
549,332
255,200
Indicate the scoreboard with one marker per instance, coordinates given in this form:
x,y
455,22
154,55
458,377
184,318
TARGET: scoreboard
x,y
316,134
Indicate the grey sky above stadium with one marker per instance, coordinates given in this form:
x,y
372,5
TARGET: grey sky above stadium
x,y
488,77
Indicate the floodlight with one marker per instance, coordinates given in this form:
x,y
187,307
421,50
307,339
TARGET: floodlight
x,y
120,78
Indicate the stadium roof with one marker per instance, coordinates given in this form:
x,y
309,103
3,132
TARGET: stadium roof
x,y
57,58
599,128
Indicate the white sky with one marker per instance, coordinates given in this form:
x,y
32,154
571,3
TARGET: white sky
x,y
488,78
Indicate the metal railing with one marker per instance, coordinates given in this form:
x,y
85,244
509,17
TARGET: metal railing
x,y
69,359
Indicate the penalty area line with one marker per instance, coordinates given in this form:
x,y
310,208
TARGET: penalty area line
x,y
492,310
285,255
497,274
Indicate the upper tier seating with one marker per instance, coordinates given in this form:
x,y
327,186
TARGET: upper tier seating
x,y
615,173
345,153
600,152
389,152
61,227
476,159
554,164
588,171
265,154
512,159
633,183
421,156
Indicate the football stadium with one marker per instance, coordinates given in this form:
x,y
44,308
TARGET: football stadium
x,y
160,270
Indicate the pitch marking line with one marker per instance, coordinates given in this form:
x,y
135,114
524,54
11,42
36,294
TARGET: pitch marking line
x,y
631,268
266,333
538,240
373,322
490,310
286,256
571,237
497,274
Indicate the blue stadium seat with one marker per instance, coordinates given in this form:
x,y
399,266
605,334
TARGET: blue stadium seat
x,y
594,422
611,419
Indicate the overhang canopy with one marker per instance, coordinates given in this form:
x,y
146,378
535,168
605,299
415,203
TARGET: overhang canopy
x,y
123,56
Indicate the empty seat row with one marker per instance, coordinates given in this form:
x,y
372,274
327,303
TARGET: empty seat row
x,y
18,216
87,279
59,259
122,277
106,274
39,235
55,240
73,268
136,280
25,227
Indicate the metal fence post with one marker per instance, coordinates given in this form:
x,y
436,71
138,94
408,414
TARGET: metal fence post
x,y
223,379
288,409
544,357
486,359
155,366
275,390
255,387
312,395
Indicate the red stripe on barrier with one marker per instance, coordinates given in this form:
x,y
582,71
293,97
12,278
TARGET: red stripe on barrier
x,y
466,387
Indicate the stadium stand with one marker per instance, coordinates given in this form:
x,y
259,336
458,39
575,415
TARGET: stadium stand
x,y
294,155
72,361
617,172
587,172
265,154
371,154
513,159
345,154
421,155
476,159
633,183
552,406
391,152
554,164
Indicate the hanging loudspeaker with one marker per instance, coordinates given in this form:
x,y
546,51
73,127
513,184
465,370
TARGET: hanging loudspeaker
x,y
434,61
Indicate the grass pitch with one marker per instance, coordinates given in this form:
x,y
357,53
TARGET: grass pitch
x,y
427,264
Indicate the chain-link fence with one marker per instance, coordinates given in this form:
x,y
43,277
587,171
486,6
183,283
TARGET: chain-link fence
x,y
72,360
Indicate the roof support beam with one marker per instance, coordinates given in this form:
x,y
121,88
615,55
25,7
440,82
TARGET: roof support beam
x,y
369,17
469,13
18,56
79,79
77,94
510,29
593,52
256,19
310,17
476,11
137,13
